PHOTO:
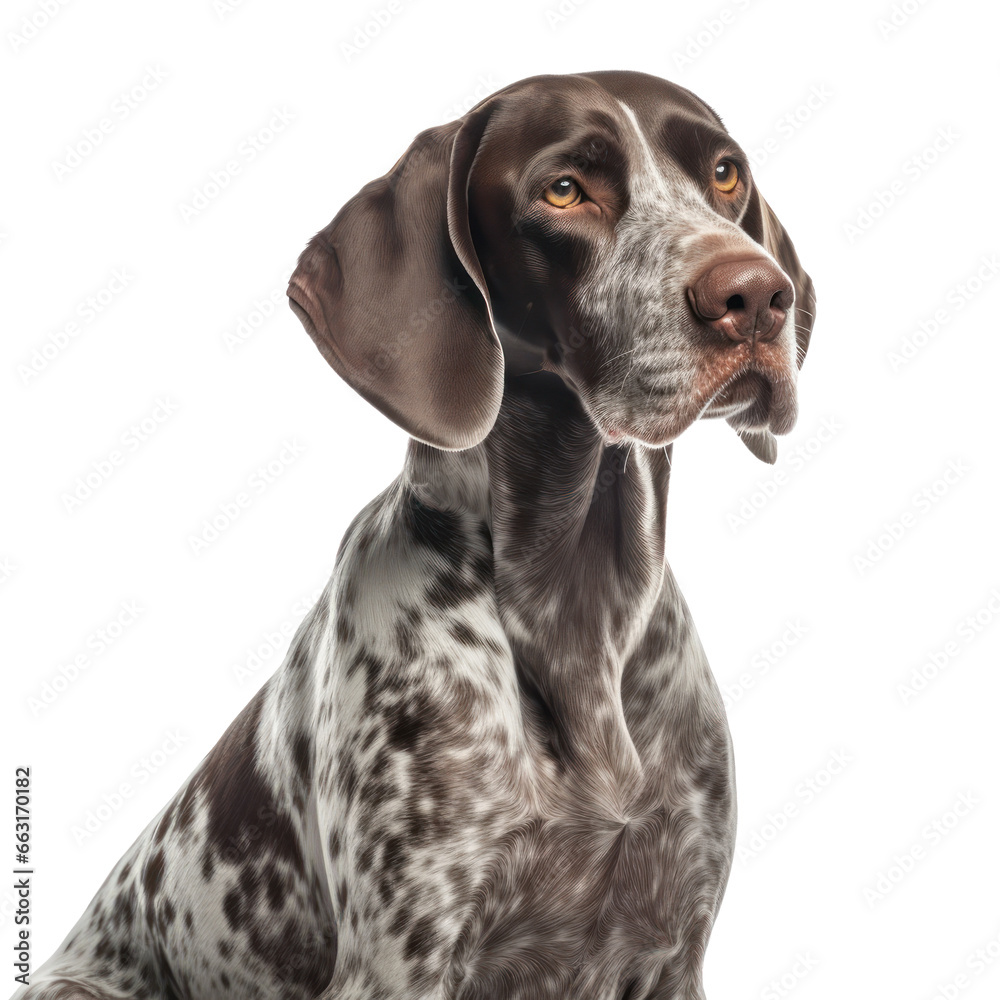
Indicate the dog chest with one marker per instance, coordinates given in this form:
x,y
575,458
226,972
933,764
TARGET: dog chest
x,y
580,905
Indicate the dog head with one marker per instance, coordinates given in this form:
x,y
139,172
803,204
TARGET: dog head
x,y
602,226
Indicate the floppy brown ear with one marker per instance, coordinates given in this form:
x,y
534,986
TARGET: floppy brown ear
x,y
393,295
762,224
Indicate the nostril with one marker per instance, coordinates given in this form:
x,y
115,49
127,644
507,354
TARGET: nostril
x,y
778,300
734,302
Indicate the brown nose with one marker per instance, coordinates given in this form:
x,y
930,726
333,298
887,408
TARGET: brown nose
x,y
744,299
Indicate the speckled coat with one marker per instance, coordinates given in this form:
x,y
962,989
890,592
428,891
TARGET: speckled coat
x,y
494,764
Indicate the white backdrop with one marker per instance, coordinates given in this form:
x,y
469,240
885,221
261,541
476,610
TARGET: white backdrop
x,y
163,167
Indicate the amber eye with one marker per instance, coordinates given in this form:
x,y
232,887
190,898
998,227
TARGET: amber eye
x,y
563,193
727,176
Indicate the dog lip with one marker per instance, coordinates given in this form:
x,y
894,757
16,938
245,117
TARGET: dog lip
x,y
772,406
763,399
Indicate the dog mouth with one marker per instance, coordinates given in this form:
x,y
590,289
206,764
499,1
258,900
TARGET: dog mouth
x,y
755,400
751,390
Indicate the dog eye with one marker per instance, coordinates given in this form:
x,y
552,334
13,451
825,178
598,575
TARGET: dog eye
x,y
563,193
727,176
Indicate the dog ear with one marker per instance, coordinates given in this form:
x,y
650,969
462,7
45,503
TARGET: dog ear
x,y
762,224
779,246
393,295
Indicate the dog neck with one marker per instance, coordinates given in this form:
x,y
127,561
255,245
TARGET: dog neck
x,y
577,531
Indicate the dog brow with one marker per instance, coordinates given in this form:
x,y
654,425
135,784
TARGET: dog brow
x,y
652,169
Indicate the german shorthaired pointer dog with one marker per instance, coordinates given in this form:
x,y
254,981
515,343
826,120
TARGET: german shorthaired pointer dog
x,y
495,764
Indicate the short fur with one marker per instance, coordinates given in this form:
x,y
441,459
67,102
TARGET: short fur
x,y
495,764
